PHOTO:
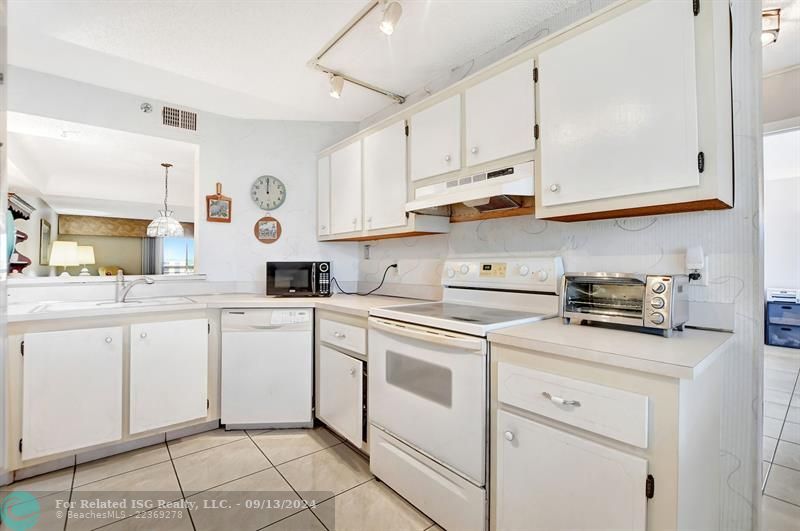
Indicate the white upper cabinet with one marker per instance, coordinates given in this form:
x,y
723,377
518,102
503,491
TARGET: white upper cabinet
x,y
436,139
501,115
385,185
346,189
324,196
618,108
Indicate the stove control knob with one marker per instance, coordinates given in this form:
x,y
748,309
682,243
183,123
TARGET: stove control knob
x,y
656,318
657,303
464,269
659,287
542,275
524,270
451,272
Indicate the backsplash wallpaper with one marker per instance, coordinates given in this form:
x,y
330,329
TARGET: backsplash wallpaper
x,y
731,239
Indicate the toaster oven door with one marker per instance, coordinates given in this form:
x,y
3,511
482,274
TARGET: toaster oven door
x,y
609,299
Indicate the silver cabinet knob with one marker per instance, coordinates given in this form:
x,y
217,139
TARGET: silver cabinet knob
x,y
352,372
509,436
339,335
447,158
474,150
555,188
143,335
108,340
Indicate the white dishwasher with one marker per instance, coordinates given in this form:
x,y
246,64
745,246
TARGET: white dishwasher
x,y
267,368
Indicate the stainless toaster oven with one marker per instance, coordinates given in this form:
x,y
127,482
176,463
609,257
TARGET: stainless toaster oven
x,y
649,301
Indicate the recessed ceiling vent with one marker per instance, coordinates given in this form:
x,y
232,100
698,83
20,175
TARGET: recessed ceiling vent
x,y
179,118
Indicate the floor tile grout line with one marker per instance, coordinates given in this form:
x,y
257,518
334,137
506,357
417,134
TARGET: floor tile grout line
x,y
195,493
286,480
781,499
209,448
180,486
121,473
780,433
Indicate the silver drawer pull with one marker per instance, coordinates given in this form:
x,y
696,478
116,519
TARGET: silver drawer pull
x,y
560,401
339,335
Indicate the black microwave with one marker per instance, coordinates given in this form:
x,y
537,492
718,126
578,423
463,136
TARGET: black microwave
x,y
299,279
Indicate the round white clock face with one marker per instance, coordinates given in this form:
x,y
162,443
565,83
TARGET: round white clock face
x,y
268,192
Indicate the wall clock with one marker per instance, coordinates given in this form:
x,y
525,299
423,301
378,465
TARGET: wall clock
x,y
268,192
267,230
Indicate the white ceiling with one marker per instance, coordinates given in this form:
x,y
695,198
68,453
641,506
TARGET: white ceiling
x,y
86,170
785,52
248,58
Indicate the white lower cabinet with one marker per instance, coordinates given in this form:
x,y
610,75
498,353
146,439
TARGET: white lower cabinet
x,y
551,480
72,390
341,393
168,374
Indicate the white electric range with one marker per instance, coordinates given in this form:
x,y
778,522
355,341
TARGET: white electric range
x,y
428,381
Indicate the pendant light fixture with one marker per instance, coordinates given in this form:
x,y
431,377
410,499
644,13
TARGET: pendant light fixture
x,y
165,225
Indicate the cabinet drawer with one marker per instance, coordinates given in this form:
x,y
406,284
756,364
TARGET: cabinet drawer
x,y
610,412
783,314
343,335
784,336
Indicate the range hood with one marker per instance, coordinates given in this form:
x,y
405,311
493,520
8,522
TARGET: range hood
x,y
485,191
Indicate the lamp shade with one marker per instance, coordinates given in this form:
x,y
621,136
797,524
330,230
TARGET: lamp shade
x,y
164,226
64,254
85,254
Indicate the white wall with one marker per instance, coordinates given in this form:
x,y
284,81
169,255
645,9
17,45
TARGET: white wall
x,y
782,95
232,151
731,239
782,209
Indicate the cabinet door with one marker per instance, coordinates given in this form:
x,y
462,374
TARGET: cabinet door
x,y
385,185
324,196
500,115
72,390
436,139
618,107
169,373
340,390
346,189
551,480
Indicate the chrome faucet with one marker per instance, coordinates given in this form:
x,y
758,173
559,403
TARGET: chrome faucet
x,y
124,288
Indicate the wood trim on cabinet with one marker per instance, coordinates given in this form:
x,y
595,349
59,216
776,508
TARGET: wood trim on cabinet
x,y
654,210
381,236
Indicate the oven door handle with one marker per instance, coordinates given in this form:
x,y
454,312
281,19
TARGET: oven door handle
x,y
430,336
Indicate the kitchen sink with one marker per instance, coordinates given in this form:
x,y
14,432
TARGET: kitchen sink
x,y
89,305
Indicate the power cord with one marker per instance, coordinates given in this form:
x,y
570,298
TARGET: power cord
x,y
336,283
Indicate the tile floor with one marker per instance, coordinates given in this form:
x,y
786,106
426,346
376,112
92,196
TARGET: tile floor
x,y
781,450
281,480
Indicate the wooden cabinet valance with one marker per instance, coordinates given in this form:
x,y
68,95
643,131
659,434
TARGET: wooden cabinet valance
x,y
100,226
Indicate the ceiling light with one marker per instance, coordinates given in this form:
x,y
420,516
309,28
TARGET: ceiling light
x,y
337,83
391,15
770,25
165,225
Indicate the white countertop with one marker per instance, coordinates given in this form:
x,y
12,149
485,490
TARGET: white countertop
x,y
349,304
683,355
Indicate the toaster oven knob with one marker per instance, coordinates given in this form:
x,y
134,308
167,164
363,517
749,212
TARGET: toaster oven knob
x,y
659,287
657,303
524,270
656,318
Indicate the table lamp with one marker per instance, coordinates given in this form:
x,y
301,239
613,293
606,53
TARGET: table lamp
x,y
64,254
85,257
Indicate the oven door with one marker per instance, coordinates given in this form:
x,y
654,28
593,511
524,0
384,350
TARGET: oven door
x,y
427,387
291,279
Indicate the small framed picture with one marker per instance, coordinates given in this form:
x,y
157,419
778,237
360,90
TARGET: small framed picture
x,y
218,207
267,230
44,242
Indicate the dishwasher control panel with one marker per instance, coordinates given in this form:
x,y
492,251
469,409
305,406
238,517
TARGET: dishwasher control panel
x,y
284,317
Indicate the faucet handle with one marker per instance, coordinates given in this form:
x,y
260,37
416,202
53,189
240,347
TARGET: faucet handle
x,y
120,275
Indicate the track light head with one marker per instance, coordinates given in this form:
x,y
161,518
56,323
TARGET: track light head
x,y
391,16
337,83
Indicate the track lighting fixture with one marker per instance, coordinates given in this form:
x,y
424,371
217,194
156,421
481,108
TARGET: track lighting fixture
x,y
337,83
391,15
